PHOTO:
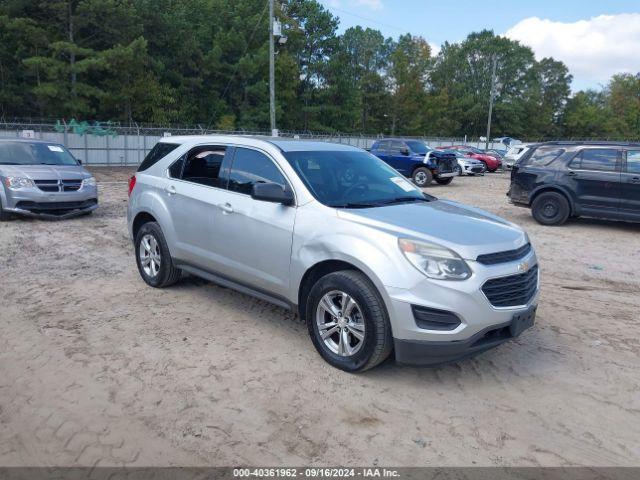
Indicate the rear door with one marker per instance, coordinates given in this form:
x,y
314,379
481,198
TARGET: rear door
x,y
254,237
594,177
630,184
196,185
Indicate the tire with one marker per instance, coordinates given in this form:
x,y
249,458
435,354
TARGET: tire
x,y
444,181
367,316
458,170
422,177
550,208
155,276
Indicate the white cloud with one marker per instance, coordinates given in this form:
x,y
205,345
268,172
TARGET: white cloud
x,y
593,49
368,4
435,49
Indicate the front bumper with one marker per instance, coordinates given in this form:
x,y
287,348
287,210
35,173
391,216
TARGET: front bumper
x,y
473,169
34,203
465,300
424,353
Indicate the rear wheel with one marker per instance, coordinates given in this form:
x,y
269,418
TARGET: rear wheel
x,y
422,177
444,181
348,322
153,258
550,208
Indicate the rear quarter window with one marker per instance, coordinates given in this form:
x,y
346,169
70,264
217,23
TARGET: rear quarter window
x,y
541,157
156,154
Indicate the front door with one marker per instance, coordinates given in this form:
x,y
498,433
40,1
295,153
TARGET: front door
x,y
594,175
630,185
254,237
399,158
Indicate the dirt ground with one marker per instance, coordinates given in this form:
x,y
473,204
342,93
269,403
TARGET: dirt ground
x,y
98,369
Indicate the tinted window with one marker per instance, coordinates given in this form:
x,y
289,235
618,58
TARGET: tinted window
x,y
604,159
175,170
419,147
544,156
351,179
397,147
25,153
249,167
633,161
379,146
204,165
157,153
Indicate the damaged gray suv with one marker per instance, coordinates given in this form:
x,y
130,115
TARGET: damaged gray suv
x,y
370,263
42,179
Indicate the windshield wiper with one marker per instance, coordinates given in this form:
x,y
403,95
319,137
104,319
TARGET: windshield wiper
x,y
355,205
404,200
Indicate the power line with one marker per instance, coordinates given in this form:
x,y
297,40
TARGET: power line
x,y
367,19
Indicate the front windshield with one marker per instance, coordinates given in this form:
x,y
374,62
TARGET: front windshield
x,y
419,147
352,179
26,153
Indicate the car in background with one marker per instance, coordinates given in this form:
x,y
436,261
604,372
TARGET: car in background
x,y
491,163
467,165
560,180
496,153
43,179
416,160
513,155
371,263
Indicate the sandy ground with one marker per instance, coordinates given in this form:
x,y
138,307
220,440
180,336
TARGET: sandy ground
x,y
98,369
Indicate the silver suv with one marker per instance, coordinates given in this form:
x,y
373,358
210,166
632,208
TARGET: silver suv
x,y
42,179
370,262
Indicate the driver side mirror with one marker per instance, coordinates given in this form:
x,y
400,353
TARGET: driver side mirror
x,y
404,151
272,192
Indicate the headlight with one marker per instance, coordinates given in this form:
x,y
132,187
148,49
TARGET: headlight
x,y
15,183
434,260
89,182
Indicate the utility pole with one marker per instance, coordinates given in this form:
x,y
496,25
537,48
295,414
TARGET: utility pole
x,y
272,73
491,97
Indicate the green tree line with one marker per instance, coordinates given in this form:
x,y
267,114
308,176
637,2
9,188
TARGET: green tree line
x,y
206,62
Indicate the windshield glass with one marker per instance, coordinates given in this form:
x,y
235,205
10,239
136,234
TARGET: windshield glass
x,y
351,179
419,147
25,153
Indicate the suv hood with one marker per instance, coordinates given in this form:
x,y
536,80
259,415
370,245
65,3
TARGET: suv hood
x,y
466,230
45,172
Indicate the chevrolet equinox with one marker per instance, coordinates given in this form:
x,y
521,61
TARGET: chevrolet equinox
x,y
371,263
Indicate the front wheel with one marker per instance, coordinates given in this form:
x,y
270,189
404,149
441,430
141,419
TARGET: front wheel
x,y
422,177
550,208
348,322
153,258
458,171
444,181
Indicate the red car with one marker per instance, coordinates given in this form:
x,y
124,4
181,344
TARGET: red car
x,y
492,163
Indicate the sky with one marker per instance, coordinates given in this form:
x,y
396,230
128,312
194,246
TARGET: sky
x,y
594,38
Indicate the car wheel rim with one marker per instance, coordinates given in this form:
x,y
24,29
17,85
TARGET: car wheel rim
x,y
150,257
421,178
340,323
549,210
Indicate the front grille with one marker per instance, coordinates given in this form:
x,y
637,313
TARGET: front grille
x,y
72,185
48,185
512,291
52,207
504,257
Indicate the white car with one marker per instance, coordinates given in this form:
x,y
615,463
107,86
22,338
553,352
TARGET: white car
x,y
468,165
513,155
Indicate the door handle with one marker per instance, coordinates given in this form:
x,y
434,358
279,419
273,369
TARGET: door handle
x,y
635,180
171,190
571,173
226,208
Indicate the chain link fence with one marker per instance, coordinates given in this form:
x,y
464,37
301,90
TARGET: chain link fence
x,y
105,143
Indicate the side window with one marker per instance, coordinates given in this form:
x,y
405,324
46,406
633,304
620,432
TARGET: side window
x,y
157,153
544,156
396,147
602,159
249,167
206,165
633,161
175,170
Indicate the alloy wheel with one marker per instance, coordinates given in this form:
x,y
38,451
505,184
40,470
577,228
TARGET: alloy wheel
x,y
340,323
150,256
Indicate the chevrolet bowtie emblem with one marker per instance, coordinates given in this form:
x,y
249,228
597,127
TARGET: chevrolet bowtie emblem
x,y
523,267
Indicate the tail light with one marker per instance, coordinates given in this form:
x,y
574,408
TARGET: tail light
x,y
132,183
